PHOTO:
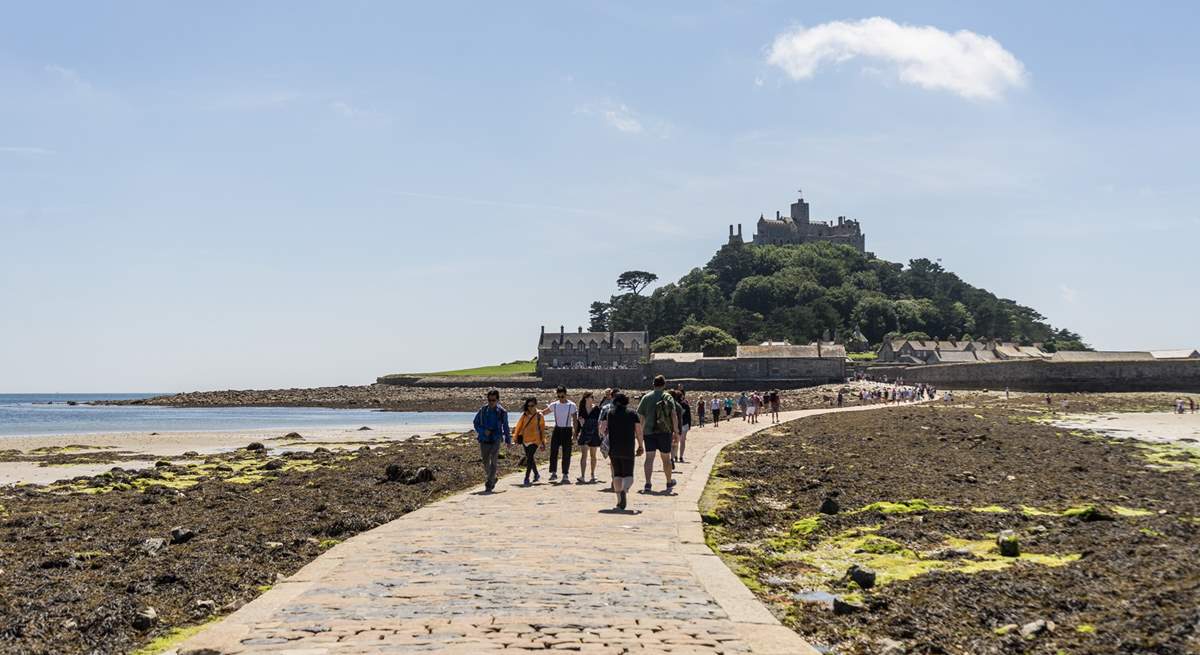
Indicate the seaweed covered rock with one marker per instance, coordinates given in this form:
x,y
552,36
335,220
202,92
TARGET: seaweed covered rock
x,y
1009,544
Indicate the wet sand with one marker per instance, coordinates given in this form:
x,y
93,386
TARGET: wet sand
x,y
1155,427
172,445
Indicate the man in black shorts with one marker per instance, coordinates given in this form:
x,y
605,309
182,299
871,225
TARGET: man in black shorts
x,y
660,417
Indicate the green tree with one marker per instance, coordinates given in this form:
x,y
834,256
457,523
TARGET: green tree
x,y
764,293
960,319
875,316
805,290
635,281
630,312
598,316
916,314
708,339
668,344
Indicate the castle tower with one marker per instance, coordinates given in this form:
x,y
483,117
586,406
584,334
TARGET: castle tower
x,y
800,211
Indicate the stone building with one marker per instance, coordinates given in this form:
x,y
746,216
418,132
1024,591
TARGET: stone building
x,y
612,350
798,228
770,364
912,351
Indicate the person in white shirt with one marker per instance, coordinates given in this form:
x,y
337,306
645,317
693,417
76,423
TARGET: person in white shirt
x,y
564,412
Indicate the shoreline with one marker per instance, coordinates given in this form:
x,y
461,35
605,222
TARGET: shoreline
x,y
27,460
268,428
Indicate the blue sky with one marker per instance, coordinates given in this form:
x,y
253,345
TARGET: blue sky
x,y
288,194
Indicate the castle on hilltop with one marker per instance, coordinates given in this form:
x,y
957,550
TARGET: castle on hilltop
x,y
797,228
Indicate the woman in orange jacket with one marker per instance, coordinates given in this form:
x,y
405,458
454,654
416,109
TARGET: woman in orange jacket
x,y
530,433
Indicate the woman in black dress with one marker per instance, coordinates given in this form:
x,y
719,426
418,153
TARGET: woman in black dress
x,y
624,445
587,426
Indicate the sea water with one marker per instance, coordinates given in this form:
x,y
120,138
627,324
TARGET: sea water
x,y
43,414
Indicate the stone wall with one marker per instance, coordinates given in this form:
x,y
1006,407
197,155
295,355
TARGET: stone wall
x,y
708,373
1041,376
813,371
595,378
462,381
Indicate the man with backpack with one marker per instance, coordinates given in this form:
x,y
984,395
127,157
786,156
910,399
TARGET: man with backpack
x,y
659,414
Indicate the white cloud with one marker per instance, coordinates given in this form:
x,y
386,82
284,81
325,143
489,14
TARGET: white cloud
x,y
348,110
623,118
1069,295
968,64
69,76
26,150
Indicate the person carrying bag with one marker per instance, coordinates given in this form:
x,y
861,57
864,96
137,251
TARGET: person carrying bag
x,y
530,433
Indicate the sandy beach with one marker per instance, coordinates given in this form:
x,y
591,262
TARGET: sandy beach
x,y
124,446
1156,427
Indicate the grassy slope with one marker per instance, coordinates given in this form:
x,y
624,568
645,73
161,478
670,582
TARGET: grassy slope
x,y
498,370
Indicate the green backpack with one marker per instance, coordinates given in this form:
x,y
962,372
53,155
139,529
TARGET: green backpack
x,y
663,414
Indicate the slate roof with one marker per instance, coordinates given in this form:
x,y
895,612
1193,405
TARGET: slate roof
x,y
776,351
952,356
1012,352
1181,353
677,357
1101,356
810,351
573,338
985,356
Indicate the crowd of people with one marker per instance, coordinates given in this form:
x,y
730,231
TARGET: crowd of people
x,y
610,427
897,392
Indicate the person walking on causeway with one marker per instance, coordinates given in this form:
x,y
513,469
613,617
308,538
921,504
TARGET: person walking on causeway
x,y
564,433
658,412
530,433
624,430
587,425
491,429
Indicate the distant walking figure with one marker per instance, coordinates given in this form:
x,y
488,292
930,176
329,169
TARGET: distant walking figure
x,y
530,433
658,412
774,400
564,431
624,429
685,424
491,429
1192,404
716,411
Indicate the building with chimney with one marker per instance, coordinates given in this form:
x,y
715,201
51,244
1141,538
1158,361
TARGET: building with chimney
x,y
579,349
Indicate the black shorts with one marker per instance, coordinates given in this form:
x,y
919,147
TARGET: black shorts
x,y
592,440
622,467
660,441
